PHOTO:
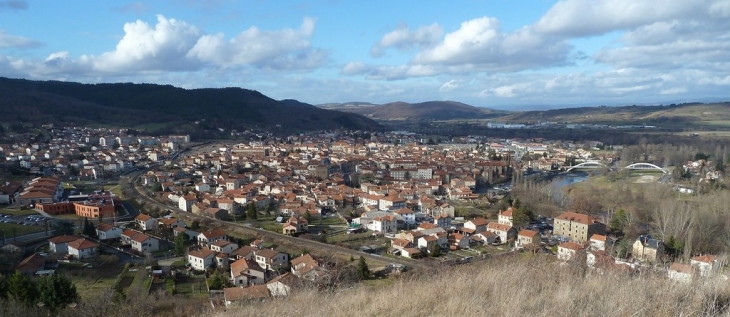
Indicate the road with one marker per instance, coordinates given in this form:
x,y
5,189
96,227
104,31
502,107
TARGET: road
x,y
269,235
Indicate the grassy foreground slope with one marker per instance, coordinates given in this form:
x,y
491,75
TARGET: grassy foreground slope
x,y
508,288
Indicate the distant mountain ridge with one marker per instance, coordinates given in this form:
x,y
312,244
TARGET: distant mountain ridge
x,y
403,111
164,107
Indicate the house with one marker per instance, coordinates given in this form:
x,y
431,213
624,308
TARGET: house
x,y
83,248
233,296
681,272
485,237
282,284
705,264
503,232
384,224
598,242
186,202
192,235
271,259
224,247
476,225
408,215
170,223
307,267
570,250
400,244
206,238
246,272
201,259
645,248
295,224
215,213
505,217
576,227
59,244
459,240
143,243
443,221
410,253
106,231
245,252
127,236
31,264
525,237
146,222
428,243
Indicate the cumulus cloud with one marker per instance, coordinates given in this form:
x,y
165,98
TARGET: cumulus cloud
x,y
172,45
290,47
403,38
577,18
13,5
14,41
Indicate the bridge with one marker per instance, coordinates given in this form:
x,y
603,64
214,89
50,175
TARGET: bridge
x,y
632,167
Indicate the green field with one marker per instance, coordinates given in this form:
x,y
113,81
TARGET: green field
x,y
19,230
17,212
90,281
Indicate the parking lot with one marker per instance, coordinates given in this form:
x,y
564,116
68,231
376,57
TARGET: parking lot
x,y
24,220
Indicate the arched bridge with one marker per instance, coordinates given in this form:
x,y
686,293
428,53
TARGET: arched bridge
x,y
645,167
587,165
633,167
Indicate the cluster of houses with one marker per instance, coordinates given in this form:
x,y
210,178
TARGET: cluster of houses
x,y
86,153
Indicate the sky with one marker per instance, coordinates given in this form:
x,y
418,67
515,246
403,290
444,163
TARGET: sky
x,y
505,54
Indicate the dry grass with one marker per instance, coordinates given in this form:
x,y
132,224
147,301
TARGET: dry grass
x,y
532,287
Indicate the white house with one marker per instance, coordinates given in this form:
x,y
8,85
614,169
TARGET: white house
x,y
598,242
384,224
146,222
681,272
705,264
201,259
106,231
569,250
186,202
202,187
245,272
82,248
409,216
270,259
505,217
59,244
223,246
143,243
206,238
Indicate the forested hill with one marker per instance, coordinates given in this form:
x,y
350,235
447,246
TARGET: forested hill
x,y
163,108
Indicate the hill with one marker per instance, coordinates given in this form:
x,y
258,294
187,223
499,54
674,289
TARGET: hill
x,y
525,287
711,114
428,111
164,107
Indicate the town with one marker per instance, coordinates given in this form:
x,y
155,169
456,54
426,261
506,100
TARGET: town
x,y
249,219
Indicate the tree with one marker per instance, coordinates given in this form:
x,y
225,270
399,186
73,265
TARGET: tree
x,y
434,250
62,228
619,221
22,289
363,272
520,216
89,229
269,208
307,216
180,242
4,286
251,213
56,291
216,281
195,225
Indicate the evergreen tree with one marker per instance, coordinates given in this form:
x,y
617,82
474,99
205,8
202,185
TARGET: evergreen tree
x,y
520,216
89,229
56,291
251,213
269,208
22,289
180,242
4,286
363,272
619,221
216,281
195,225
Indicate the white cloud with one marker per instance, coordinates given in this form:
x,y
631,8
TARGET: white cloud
x,y
673,91
289,47
450,85
14,41
577,18
403,38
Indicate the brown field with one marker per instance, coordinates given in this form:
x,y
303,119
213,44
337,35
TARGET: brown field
x,y
524,287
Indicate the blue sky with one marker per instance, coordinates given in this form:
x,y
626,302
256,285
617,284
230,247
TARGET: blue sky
x,y
508,54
